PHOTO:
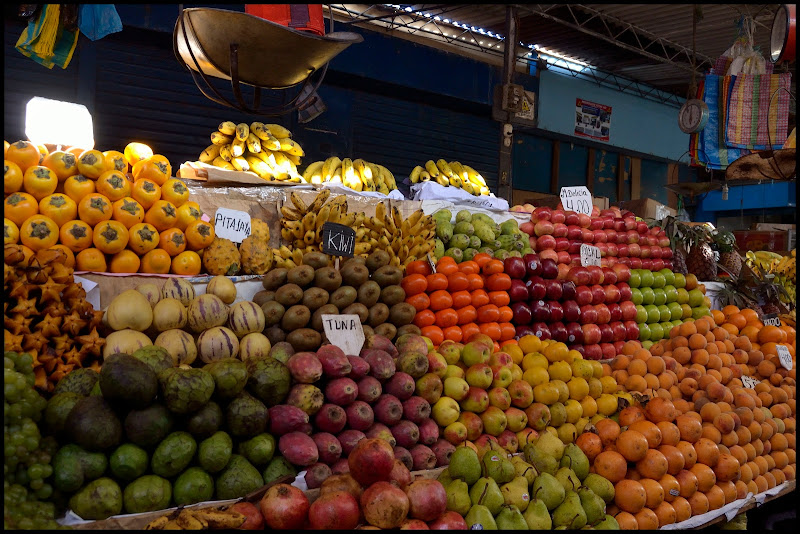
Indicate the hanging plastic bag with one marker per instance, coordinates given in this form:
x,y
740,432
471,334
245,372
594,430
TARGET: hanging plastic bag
x,y
98,20
746,60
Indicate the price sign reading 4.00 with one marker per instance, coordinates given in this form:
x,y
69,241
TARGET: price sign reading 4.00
x,y
577,199
784,357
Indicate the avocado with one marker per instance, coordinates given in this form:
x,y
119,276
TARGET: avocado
x,y
149,426
128,381
93,425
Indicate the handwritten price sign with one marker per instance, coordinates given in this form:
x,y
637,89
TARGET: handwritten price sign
x,y
772,320
749,382
589,255
577,199
784,357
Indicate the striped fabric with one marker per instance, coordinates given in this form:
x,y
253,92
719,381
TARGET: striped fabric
x,y
45,40
758,111
712,151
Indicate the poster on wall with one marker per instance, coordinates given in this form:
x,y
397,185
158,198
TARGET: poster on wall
x,y
592,120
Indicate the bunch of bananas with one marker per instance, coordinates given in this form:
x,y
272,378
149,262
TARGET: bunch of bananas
x,y
357,174
454,174
301,226
783,267
198,519
405,240
267,150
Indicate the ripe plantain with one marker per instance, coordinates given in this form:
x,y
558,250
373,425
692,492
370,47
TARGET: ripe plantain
x,y
227,128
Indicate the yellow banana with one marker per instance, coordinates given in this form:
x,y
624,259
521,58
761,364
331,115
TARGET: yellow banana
x,y
319,200
415,172
467,186
364,173
209,154
278,131
237,148
329,167
298,202
311,170
337,176
219,138
291,213
242,131
253,143
227,128
349,177
424,176
308,221
258,166
268,140
267,157
445,169
388,177
380,210
222,164
441,179
291,147
432,169
255,126
240,164
294,159
361,248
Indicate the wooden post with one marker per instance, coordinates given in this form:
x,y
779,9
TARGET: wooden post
x,y
620,176
672,178
554,167
590,171
636,178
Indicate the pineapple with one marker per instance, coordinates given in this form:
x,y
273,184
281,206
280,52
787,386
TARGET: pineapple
x,y
729,258
700,259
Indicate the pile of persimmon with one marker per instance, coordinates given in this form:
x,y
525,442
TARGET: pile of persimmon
x,y
108,211
460,300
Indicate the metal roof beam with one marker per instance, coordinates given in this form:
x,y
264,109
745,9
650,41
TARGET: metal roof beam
x,y
610,36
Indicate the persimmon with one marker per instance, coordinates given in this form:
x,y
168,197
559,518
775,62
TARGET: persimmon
x,y
436,282
124,261
446,266
469,267
59,207
491,267
75,235
92,164
434,333
94,209
142,239
39,182
420,301
475,282
173,241
146,192
479,298
418,267
175,191
38,232
116,161
453,333
506,314
498,282
440,300
499,298
199,235
91,259
78,186
446,317
467,314
424,318
632,445
110,237
186,263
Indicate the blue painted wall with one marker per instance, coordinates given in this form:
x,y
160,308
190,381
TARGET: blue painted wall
x,y
636,124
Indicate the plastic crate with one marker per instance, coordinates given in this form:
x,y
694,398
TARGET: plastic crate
x,y
303,17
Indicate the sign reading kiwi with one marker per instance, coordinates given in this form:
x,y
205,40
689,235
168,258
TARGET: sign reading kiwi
x,y
338,240
345,332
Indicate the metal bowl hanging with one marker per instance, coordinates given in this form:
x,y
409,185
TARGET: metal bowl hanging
x,y
253,51
782,43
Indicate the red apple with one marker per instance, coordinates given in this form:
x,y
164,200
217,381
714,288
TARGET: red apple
x,y
572,311
579,276
632,236
572,218
545,242
668,264
647,263
666,253
532,241
635,263
623,261
574,259
541,330
619,224
595,274
567,290
600,236
645,253
612,294
612,250
609,275
615,310
517,292
598,294
575,247
553,288
536,288
592,352
623,272
558,331
628,310
659,264
549,268
574,232
563,269
606,333
608,350
542,213
641,227
532,264
603,249
527,227
556,310
596,224
563,257
543,227
655,230
584,221
630,221
619,331
588,314
514,267
574,333
663,241
652,240
522,313
591,333
558,216
625,291
655,252
559,230
583,295
587,235
618,345
603,313
562,244
608,222
540,311
634,250
611,236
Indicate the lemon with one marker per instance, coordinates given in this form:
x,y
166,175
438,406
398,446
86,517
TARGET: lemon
x,y
560,370
578,388
581,424
563,390
530,344
546,393
609,384
595,387
582,369
597,367
535,376
574,410
607,404
567,433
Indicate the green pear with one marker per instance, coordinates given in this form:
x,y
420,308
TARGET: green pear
x,y
575,459
510,518
542,462
607,523
480,515
570,513
601,486
537,516
465,465
550,444
594,506
444,477
458,497
497,467
524,469
516,492
486,492
568,479
547,488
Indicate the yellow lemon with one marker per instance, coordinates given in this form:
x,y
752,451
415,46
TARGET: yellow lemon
x,y
609,384
574,410
516,372
546,393
534,359
563,390
582,369
578,388
607,404
555,352
580,426
535,376
597,368
595,387
560,370
530,344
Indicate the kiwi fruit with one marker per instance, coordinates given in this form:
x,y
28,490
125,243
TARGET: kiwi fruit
x,y
369,293
388,275
368,330
356,259
316,318
263,296
357,309
391,295
302,275
317,260
343,297
275,334
273,313
387,330
354,274
328,279
289,294
409,329
401,314
377,259
295,317
275,278
314,297
378,314
304,339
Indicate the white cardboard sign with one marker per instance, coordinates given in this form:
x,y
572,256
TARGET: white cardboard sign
x,y
232,224
344,331
749,382
577,199
589,255
784,357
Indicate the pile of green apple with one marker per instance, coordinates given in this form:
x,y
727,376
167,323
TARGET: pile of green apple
x,y
665,299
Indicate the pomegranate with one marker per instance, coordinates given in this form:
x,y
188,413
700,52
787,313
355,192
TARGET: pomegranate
x,y
384,505
341,483
334,510
400,474
414,524
427,499
449,520
254,521
284,507
371,460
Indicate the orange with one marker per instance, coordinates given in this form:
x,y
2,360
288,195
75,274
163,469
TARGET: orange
x,y
629,495
750,315
23,153
90,259
76,235
124,261
771,334
738,319
156,261
38,232
729,310
12,177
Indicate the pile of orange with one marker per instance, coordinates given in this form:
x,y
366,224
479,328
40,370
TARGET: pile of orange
x,y
725,439
108,211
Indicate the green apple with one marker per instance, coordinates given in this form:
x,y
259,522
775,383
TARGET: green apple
x,y
672,293
647,278
700,311
687,311
644,332
677,322
641,314
656,332
660,296
666,314
653,315
659,280
636,278
669,276
675,311
695,298
680,281
445,411
647,344
453,370
683,296
648,296
636,295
